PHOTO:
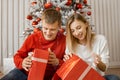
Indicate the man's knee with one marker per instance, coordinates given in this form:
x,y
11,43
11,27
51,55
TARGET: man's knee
x,y
14,74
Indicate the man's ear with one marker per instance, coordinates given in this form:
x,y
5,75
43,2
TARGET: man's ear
x,y
59,25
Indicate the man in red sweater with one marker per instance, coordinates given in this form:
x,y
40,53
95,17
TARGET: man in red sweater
x,y
49,39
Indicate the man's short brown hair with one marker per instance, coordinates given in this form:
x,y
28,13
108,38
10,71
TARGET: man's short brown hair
x,y
51,16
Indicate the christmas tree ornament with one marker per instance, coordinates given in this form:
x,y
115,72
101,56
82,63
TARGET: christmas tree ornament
x,y
48,5
29,17
34,23
78,6
33,3
69,2
85,1
38,19
89,13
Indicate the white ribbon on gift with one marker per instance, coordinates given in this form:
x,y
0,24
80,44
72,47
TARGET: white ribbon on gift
x,y
84,73
39,59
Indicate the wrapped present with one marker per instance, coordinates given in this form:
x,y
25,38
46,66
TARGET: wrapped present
x,y
39,63
77,69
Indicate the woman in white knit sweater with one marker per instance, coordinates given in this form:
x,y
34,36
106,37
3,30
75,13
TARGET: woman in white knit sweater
x,y
91,47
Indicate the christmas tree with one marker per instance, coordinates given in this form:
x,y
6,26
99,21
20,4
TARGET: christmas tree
x,y
66,7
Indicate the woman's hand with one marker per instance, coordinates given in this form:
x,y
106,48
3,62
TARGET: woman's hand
x,y
97,58
67,56
98,62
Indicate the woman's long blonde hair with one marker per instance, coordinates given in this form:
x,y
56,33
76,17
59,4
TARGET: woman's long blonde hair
x,y
71,41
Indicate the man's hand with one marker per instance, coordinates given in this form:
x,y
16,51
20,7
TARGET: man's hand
x,y
26,64
52,58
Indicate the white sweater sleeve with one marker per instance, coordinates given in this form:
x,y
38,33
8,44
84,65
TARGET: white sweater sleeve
x,y
100,47
104,51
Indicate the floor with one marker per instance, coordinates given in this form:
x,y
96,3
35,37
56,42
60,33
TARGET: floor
x,y
115,71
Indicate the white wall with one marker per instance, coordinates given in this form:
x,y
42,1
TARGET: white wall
x,y
106,17
12,23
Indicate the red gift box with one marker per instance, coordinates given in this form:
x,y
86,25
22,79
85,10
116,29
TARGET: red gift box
x,y
77,69
39,63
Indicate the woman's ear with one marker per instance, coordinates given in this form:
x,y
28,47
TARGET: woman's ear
x,y
87,23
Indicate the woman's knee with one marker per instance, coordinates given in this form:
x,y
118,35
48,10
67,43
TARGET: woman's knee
x,y
111,77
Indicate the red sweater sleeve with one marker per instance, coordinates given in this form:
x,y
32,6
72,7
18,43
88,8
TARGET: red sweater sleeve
x,y
61,49
23,52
